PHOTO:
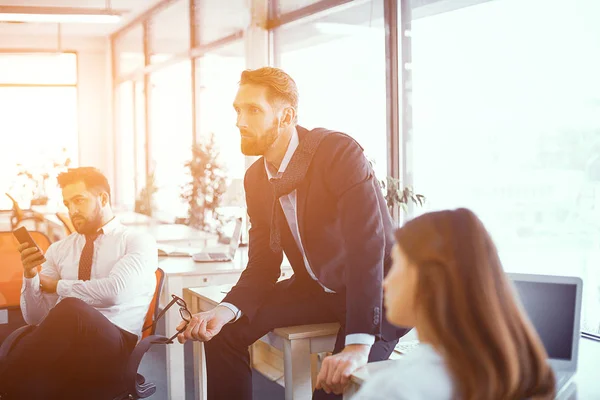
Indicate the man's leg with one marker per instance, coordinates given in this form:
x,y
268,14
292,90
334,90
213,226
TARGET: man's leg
x,y
74,343
380,351
229,375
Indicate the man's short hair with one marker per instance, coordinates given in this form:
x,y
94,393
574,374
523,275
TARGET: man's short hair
x,y
90,176
280,86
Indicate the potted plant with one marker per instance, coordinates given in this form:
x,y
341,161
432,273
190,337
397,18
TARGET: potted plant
x,y
206,185
144,204
38,180
395,195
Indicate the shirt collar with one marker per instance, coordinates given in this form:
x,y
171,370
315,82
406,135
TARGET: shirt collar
x,y
110,226
292,146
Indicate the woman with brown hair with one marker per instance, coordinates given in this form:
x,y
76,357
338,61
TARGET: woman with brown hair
x,y
475,342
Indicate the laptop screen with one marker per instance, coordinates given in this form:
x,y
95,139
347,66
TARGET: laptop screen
x,y
551,309
235,237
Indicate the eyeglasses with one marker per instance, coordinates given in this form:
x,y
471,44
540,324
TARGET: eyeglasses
x,y
186,315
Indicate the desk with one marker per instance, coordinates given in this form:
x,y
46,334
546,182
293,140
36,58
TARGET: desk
x,y
183,272
133,218
168,233
585,385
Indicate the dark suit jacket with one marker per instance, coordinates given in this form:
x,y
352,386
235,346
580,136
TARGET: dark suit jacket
x,y
345,228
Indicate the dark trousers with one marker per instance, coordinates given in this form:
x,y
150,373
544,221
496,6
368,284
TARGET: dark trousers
x,y
229,376
75,353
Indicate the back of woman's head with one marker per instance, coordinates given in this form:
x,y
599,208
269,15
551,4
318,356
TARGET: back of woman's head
x,y
464,299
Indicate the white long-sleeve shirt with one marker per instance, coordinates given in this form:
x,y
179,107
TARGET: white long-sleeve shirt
x,y
122,280
290,209
419,375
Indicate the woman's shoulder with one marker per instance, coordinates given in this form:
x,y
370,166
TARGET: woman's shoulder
x,y
421,374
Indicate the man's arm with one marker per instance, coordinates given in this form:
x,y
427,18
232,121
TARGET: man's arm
x,y
264,265
351,179
140,260
35,304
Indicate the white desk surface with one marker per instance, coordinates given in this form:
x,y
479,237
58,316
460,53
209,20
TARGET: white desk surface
x,y
585,384
187,266
173,232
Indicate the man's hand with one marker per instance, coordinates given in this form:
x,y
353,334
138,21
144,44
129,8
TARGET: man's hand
x,y
47,284
336,369
205,325
31,258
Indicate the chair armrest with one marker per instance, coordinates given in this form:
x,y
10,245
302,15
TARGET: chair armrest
x,y
133,386
9,343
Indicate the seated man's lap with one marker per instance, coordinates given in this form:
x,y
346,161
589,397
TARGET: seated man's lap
x,y
74,344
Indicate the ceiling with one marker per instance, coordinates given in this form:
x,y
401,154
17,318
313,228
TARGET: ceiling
x,y
129,9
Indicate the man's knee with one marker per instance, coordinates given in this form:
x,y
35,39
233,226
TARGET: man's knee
x,y
70,308
230,338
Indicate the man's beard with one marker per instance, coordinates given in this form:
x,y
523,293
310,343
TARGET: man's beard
x,y
258,146
89,225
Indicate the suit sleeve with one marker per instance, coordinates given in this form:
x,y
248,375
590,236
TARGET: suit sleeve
x,y
264,265
350,178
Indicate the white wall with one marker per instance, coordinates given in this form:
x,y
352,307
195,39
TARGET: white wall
x,y
94,94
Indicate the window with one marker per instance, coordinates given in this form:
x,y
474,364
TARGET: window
x,y
129,51
38,99
169,31
216,19
338,63
171,134
38,68
125,191
217,75
506,105
286,6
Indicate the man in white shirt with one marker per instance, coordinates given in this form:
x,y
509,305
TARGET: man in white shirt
x,y
312,195
88,302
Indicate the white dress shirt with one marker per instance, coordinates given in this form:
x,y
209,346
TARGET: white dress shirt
x,y
122,280
290,209
419,375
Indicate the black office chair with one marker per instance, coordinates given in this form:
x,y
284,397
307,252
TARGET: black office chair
x,y
136,385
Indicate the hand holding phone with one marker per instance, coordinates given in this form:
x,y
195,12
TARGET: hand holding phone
x,y
31,255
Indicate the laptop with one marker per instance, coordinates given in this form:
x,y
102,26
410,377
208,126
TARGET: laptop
x,y
553,305
222,253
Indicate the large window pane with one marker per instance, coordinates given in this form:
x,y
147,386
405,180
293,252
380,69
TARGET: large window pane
x,y
217,77
125,163
506,106
129,51
38,68
286,6
37,124
338,63
170,31
171,134
216,19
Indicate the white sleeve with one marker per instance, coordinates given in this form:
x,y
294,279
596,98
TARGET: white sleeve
x,y
36,304
141,257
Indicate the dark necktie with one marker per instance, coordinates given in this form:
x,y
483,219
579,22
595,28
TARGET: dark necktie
x,y
292,177
87,254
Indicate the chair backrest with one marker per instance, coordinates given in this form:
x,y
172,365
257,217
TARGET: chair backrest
x,y
18,213
153,310
11,269
64,218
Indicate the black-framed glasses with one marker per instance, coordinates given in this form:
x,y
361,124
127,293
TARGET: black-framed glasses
x,y
185,314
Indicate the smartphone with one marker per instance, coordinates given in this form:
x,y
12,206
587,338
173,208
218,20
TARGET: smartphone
x,y
23,236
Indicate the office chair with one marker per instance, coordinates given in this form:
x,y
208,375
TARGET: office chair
x,y
19,215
